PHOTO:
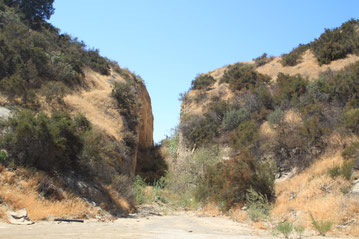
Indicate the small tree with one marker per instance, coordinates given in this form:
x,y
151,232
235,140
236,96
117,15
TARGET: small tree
x,y
34,10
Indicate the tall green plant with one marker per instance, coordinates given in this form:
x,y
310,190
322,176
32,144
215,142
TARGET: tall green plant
x,y
322,227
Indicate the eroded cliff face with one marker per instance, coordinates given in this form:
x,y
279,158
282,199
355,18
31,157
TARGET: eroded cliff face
x,y
144,129
95,102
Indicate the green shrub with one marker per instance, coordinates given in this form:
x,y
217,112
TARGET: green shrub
x,y
294,57
344,86
262,60
189,175
320,90
285,228
140,186
203,82
331,45
31,59
351,151
313,132
218,109
101,157
299,229
124,93
227,182
246,136
3,156
199,130
43,142
275,117
264,96
347,170
336,43
334,172
258,205
289,89
234,118
243,76
97,63
351,120
321,226
171,142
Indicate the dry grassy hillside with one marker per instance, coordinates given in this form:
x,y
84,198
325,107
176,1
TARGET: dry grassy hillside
x,y
95,103
23,188
298,112
197,100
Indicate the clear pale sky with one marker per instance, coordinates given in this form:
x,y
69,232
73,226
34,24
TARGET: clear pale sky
x,y
169,42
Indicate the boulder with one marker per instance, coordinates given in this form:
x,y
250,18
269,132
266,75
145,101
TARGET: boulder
x,y
4,113
19,217
355,188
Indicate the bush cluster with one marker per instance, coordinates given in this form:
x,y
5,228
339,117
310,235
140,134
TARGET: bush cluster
x,y
228,182
263,59
246,137
295,56
203,82
289,89
126,96
232,119
275,117
332,45
44,142
337,43
346,170
243,76
31,58
199,130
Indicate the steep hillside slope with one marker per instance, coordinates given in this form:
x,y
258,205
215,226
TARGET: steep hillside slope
x,y
276,130
76,126
101,110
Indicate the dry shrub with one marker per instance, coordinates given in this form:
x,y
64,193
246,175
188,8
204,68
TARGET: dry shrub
x,y
119,200
19,190
211,209
314,191
238,214
267,132
293,118
3,213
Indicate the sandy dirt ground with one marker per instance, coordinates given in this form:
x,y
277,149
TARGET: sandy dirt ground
x,y
166,227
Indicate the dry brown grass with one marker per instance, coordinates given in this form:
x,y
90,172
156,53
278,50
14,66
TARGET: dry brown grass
x,y
96,104
19,190
211,209
308,67
119,201
313,190
267,132
293,118
238,214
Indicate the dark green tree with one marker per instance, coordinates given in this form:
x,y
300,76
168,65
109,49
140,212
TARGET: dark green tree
x,y
34,10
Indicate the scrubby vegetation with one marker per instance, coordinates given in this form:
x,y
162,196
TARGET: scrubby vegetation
x,y
203,82
39,66
243,76
230,154
332,45
34,55
321,226
47,143
263,59
301,114
295,56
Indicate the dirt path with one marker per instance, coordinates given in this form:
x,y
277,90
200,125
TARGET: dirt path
x,y
166,227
